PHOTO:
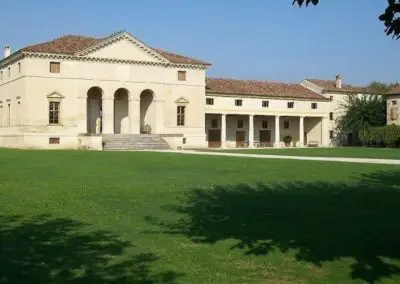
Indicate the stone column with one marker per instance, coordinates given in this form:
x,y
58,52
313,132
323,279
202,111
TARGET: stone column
x,y
277,132
223,130
134,116
82,115
108,115
251,131
301,132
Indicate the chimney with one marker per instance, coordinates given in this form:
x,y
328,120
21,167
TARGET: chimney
x,y
339,81
7,51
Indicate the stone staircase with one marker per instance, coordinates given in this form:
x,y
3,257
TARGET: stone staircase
x,y
134,142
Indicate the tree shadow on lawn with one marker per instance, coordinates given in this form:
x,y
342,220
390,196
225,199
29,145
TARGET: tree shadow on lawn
x,y
48,250
322,221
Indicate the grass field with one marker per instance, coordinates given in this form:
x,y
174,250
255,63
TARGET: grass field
x,y
115,217
372,153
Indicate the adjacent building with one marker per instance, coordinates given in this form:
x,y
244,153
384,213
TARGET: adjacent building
x,y
73,91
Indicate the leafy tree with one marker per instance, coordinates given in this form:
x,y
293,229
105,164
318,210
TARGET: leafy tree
x,y
390,17
360,113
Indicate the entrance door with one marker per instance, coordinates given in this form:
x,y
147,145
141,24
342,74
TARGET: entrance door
x,y
214,138
305,138
349,139
240,139
265,138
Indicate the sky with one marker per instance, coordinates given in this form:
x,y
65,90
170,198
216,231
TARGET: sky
x,y
243,39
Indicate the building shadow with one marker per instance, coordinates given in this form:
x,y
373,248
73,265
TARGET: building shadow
x,y
321,221
49,250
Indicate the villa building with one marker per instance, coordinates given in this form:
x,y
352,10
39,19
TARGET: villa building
x,y
393,103
76,91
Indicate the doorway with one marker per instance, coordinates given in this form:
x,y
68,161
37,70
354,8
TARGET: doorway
x,y
240,139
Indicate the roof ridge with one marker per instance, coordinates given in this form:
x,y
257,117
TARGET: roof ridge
x,y
255,81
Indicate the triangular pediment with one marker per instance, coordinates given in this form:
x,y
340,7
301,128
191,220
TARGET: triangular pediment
x,y
55,95
182,100
123,46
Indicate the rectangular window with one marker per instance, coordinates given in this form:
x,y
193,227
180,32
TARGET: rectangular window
x,y
54,112
54,67
180,116
54,140
331,98
265,103
209,101
182,75
331,134
214,123
331,116
314,105
19,67
286,124
240,123
238,103
394,103
9,72
184,140
290,104
264,124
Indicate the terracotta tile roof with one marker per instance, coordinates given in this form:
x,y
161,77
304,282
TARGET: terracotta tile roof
x,y
68,44
395,90
330,85
71,44
260,88
177,58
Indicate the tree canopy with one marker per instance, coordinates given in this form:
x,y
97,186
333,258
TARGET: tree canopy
x,y
390,17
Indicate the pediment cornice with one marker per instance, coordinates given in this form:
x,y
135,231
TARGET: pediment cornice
x,y
110,60
119,37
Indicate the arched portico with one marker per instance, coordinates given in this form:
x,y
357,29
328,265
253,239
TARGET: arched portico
x,y
121,111
147,109
94,110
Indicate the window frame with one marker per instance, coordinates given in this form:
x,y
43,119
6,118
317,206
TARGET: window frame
x,y
214,125
54,112
180,115
182,75
210,100
331,116
264,124
240,124
290,104
286,124
394,102
314,105
265,104
55,63
238,102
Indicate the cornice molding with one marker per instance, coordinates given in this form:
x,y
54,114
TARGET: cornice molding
x,y
110,60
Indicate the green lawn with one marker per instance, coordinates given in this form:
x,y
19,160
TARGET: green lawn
x,y
136,217
373,153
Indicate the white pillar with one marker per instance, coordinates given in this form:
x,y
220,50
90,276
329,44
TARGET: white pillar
x,y
108,115
277,132
223,130
324,132
301,132
251,131
82,114
134,116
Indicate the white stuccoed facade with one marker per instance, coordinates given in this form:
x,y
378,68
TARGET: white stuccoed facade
x,y
118,84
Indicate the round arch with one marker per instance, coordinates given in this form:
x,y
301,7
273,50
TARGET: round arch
x,y
121,111
94,110
147,110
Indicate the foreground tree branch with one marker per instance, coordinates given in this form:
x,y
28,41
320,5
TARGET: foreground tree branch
x,y
390,17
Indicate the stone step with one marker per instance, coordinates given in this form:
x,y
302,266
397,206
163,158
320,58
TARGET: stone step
x,y
134,142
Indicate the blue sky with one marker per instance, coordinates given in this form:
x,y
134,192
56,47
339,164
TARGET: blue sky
x,y
243,39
